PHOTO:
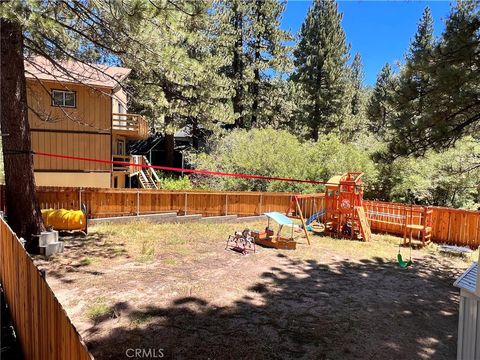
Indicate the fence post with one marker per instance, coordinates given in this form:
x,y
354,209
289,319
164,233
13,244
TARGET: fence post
x,y
186,203
80,198
260,205
138,202
226,204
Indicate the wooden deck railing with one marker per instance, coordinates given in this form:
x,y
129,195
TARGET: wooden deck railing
x,y
43,328
131,125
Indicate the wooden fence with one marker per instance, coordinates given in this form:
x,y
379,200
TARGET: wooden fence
x,y
452,226
117,202
42,326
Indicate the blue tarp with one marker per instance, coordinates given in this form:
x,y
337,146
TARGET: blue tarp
x,y
279,218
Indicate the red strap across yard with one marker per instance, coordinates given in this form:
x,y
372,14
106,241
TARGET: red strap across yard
x,y
191,171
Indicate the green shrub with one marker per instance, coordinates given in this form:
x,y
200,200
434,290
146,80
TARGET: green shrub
x,y
171,183
277,153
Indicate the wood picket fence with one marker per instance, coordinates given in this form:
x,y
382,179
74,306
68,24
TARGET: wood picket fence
x,y
41,324
452,226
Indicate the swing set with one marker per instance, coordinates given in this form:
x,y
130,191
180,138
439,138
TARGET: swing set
x,y
337,212
405,219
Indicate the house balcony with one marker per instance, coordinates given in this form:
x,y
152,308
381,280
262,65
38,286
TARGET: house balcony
x,y
128,161
133,126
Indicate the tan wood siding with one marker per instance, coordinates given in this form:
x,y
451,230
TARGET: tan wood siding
x,y
92,112
96,146
83,131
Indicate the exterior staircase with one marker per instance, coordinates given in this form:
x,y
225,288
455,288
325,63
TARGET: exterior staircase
x,y
147,177
146,181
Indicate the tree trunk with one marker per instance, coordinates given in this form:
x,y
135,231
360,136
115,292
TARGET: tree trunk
x,y
238,67
169,149
195,134
256,71
23,211
256,90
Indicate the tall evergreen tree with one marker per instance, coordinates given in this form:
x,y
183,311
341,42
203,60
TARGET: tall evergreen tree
x,y
181,84
69,31
354,120
250,30
438,100
413,84
356,81
378,108
320,58
267,52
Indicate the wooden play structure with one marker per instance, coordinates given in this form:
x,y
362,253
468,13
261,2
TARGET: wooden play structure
x,y
409,221
345,216
338,212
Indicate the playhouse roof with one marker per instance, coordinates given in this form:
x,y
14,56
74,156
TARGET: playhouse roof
x,y
468,280
334,181
280,218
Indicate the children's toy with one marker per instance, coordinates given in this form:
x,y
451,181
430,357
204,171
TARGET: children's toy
x,y
410,220
310,210
338,212
270,238
345,216
242,241
402,263
65,220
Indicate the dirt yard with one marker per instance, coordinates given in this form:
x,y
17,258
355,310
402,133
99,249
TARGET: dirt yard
x,y
173,290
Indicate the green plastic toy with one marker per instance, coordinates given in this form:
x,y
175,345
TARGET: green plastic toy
x,y
404,264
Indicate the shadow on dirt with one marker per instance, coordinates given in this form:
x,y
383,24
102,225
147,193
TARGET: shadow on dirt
x,y
302,309
81,251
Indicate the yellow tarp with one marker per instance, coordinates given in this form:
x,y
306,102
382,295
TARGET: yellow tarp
x,y
64,219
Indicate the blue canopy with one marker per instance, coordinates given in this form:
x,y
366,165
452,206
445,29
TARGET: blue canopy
x,y
279,218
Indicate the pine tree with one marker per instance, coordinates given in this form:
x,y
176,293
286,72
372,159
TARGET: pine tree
x,y
356,81
268,53
250,30
181,84
378,111
437,101
354,122
23,210
54,32
413,85
320,58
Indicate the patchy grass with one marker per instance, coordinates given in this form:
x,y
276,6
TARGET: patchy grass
x,y
99,310
87,261
174,286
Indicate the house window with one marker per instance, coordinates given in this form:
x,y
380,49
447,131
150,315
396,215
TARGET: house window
x,y
120,147
64,98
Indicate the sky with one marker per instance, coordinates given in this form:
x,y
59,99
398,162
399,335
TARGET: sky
x,y
379,30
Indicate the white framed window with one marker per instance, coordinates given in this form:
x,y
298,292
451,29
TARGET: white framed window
x,y
120,147
64,98
121,108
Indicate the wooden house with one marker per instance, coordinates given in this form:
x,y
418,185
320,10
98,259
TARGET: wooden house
x,y
80,110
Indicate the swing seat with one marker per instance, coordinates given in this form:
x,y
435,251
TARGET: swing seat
x,y
403,264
